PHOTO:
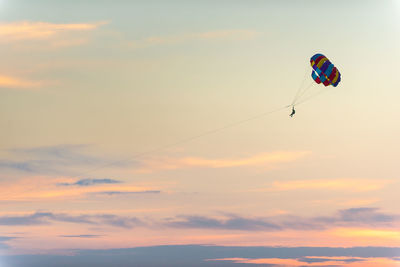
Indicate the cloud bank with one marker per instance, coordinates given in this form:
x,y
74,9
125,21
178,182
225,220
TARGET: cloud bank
x,y
355,217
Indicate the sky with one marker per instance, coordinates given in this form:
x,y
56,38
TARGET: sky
x,y
161,128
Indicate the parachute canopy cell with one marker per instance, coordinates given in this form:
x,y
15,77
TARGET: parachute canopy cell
x,y
324,71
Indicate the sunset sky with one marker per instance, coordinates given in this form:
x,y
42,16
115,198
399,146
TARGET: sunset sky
x,y
130,127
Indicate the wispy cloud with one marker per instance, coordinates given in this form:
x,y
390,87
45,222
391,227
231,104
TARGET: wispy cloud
x,y
91,182
111,193
60,189
18,83
39,36
231,223
30,219
365,215
266,160
219,35
81,236
39,218
27,30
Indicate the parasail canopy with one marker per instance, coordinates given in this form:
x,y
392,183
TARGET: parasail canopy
x,y
324,71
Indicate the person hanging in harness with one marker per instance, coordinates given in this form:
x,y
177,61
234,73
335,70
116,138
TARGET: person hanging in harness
x,y
293,112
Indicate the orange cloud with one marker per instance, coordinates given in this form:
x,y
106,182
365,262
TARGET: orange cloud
x,y
353,185
40,30
13,82
265,159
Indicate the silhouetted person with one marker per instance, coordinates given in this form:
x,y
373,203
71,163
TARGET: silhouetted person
x,y
293,112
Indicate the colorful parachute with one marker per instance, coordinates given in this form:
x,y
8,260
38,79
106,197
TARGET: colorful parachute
x,y
324,71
